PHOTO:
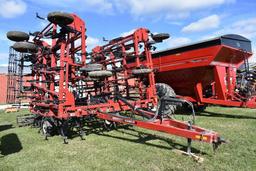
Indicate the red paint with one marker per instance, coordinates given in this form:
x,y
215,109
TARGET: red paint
x,y
53,95
3,88
211,67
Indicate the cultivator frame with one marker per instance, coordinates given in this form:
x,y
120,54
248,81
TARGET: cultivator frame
x,y
57,79
70,85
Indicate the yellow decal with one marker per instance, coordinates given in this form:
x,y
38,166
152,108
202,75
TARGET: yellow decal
x,y
201,137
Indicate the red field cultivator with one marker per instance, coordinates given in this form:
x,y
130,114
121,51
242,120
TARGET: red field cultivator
x,y
70,87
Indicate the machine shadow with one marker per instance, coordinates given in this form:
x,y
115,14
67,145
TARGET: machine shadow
x,y
213,114
10,144
4,127
185,111
143,138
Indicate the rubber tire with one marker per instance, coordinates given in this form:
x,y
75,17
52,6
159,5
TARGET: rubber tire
x,y
164,90
109,125
160,37
88,79
47,128
17,36
25,47
139,72
100,74
98,58
60,18
92,67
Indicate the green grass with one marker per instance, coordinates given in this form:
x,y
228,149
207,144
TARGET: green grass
x,y
123,149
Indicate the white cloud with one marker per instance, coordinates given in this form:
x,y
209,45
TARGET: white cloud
x,y
171,9
127,33
144,7
99,6
3,36
242,27
4,41
253,58
245,27
4,56
96,6
91,42
3,65
177,16
4,49
203,24
12,8
177,41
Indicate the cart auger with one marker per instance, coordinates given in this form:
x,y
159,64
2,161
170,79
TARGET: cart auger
x,y
71,87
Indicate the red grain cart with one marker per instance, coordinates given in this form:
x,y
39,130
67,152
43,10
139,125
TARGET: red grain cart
x,y
207,72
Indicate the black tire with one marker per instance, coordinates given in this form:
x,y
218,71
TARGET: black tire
x,y
109,125
88,79
138,72
100,74
25,47
92,67
160,37
98,58
47,128
164,90
27,88
17,36
60,18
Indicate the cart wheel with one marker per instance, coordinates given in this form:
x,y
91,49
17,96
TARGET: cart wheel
x,y
82,134
164,90
79,125
63,134
88,79
46,128
17,36
65,140
92,67
64,129
25,47
98,58
160,37
139,72
60,18
109,125
100,74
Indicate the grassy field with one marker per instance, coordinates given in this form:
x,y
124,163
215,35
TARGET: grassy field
x,y
123,149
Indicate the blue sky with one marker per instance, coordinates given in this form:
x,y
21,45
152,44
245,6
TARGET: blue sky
x,y
186,20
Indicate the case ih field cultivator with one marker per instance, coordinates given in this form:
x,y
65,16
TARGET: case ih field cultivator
x,y
116,83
